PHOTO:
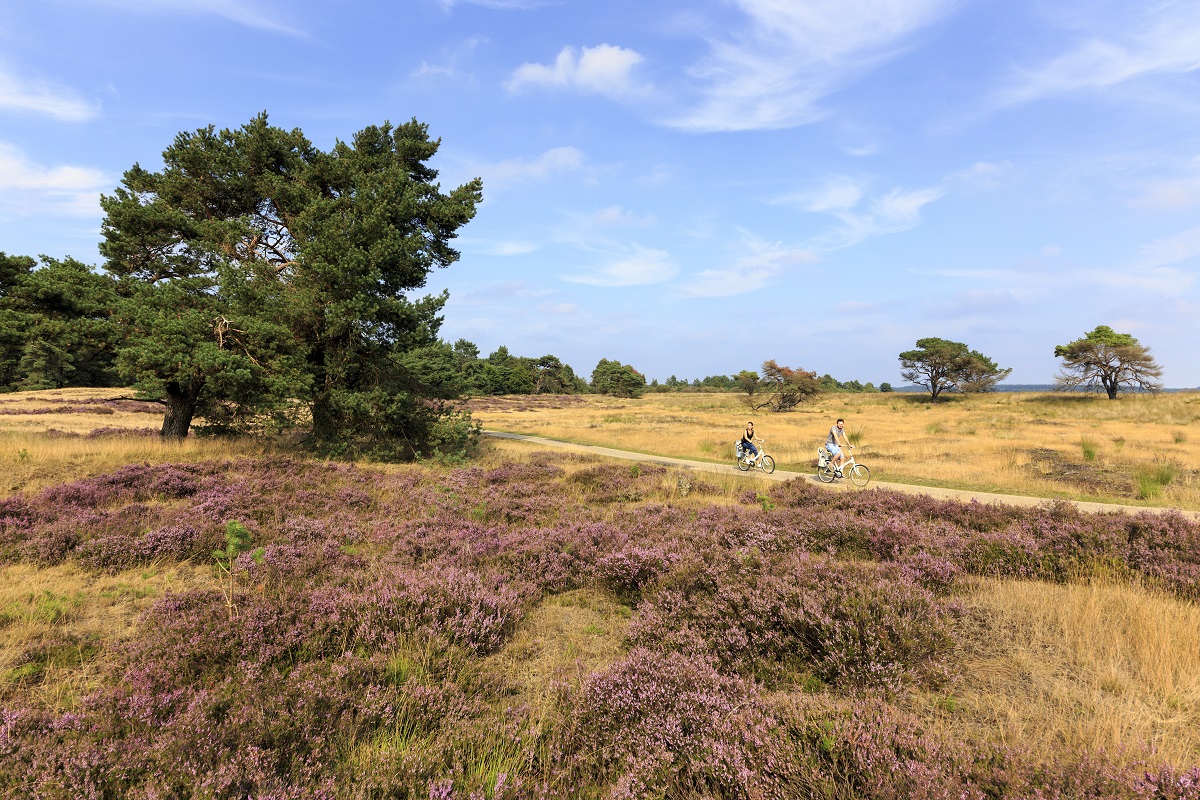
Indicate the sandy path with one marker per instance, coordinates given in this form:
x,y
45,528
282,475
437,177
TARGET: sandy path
x,y
962,495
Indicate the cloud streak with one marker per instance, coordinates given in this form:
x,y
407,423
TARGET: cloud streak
x,y
1147,39
772,73
250,13
554,162
642,267
29,188
34,96
762,264
863,217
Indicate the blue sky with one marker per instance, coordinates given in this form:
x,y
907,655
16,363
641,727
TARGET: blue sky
x,y
691,188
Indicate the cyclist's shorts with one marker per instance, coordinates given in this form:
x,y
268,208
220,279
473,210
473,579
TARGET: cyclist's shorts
x,y
833,449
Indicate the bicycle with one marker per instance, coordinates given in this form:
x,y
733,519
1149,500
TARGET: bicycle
x,y
827,473
745,460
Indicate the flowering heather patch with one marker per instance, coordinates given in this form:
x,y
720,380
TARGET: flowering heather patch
x,y
355,656
852,625
59,410
115,433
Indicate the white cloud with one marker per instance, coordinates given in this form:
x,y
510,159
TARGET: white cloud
x,y
503,5
556,161
604,69
250,13
29,188
981,173
1125,43
618,216
559,309
1171,194
1165,281
39,97
758,267
505,249
1170,250
773,73
845,199
453,59
640,268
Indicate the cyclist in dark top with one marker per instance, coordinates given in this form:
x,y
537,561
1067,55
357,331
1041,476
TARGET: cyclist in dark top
x,y
748,442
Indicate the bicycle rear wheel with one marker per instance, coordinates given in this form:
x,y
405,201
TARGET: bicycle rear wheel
x,y
768,464
744,463
825,474
859,475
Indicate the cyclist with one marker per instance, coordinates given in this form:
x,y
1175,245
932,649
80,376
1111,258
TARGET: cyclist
x,y
831,444
747,442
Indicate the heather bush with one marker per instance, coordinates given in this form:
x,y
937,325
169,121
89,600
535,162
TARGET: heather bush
x,y
664,725
766,642
777,619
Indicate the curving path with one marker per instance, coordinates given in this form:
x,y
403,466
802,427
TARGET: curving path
x,y
963,495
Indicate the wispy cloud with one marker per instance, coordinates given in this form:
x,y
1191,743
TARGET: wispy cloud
x,y
505,249
641,267
503,5
1170,250
759,266
862,217
1127,42
453,59
28,188
553,162
250,13
619,217
35,96
1162,281
772,73
604,69
1171,194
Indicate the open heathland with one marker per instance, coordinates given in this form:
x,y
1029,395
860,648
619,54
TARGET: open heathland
x,y
1136,450
543,624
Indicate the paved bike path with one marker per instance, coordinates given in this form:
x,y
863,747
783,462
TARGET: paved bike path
x,y
962,495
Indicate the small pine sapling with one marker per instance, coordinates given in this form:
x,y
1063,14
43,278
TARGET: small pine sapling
x,y
237,541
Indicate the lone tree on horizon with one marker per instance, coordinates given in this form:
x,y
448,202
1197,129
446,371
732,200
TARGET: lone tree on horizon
x,y
1105,359
941,365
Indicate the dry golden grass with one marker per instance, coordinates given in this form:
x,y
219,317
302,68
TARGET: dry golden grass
x,y
1140,450
57,622
678,487
1083,666
564,639
39,450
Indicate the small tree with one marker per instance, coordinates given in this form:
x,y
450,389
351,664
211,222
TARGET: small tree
x,y
1105,359
940,365
617,379
748,381
784,388
980,374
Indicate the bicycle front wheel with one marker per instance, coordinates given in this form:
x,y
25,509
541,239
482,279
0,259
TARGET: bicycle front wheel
x,y
825,474
859,475
768,464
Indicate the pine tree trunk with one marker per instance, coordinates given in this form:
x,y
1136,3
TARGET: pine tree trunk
x,y
181,407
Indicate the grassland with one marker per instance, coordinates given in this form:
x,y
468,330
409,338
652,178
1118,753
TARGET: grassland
x,y
544,624
1138,450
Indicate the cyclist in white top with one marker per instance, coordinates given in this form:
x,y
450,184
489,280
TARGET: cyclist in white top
x,y
831,444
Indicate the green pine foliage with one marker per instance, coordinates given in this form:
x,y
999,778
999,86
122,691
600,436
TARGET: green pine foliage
x,y
265,280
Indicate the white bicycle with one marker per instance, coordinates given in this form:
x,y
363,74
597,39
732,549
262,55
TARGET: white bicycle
x,y
827,472
745,460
